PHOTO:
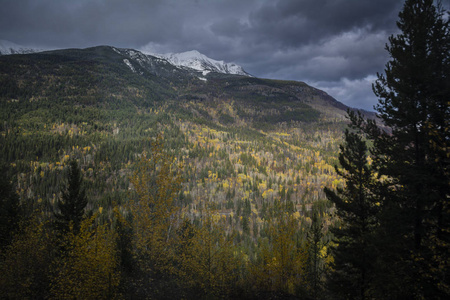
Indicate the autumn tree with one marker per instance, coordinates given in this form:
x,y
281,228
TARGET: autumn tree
x,y
280,265
208,261
26,263
88,268
157,182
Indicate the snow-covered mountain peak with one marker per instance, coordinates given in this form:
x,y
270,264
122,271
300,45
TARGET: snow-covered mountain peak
x,y
7,48
200,62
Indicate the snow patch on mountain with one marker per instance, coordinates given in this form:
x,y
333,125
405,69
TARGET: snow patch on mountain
x,y
200,62
127,62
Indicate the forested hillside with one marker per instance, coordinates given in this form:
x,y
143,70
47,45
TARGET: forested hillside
x,y
240,139
248,148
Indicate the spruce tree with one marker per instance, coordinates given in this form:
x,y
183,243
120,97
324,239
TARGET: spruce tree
x,y
9,209
356,208
414,93
314,264
71,206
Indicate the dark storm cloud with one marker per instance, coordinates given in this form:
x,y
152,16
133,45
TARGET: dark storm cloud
x,y
336,44
330,31
86,22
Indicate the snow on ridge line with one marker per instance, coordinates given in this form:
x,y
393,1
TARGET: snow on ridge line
x,y
200,62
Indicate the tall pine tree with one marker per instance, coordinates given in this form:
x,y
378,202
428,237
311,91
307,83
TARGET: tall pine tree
x,y
414,93
71,208
356,207
9,209
314,263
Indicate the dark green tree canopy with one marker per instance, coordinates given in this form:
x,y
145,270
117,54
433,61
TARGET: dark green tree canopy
x,y
356,207
414,94
400,223
9,209
71,207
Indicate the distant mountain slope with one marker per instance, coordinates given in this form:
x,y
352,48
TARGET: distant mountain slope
x,y
110,72
190,65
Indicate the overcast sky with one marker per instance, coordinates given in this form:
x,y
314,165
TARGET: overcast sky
x,y
334,45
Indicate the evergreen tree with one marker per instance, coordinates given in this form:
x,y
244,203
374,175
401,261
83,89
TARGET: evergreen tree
x,y
315,268
414,98
126,264
9,210
71,208
356,208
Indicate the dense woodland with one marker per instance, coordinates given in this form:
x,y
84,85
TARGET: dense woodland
x,y
150,183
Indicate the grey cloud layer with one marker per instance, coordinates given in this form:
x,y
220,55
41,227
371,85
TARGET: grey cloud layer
x,y
329,42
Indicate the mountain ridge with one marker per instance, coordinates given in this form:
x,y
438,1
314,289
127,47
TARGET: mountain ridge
x,y
196,64
168,74
190,59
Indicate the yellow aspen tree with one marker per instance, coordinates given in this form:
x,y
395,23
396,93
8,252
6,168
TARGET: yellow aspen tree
x,y
291,260
209,263
280,265
88,268
25,263
157,182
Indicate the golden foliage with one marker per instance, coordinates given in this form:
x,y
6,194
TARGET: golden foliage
x,y
157,182
280,265
88,267
208,261
25,263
